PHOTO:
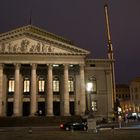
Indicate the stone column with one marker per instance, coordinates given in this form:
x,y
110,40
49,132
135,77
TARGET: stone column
x,y
5,89
66,106
17,101
33,101
1,90
49,101
82,91
77,97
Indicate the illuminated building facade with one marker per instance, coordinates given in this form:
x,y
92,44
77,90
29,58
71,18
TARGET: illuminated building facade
x,y
123,95
42,71
135,95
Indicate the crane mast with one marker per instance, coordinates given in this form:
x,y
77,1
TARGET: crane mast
x,y
110,52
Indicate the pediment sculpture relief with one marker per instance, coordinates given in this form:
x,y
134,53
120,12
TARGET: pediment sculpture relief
x,y
26,46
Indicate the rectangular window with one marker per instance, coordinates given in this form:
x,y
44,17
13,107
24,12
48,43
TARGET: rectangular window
x,y
26,86
11,85
55,85
94,105
71,86
41,85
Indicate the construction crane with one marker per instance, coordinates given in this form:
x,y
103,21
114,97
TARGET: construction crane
x,y
110,52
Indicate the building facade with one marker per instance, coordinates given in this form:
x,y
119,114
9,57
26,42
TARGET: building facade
x,y
135,95
43,71
123,95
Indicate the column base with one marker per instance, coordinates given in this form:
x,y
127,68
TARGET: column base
x,y
16,115
33,115
49,115
67,114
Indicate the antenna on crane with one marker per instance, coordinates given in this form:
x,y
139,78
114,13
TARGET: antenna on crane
x,y
110,50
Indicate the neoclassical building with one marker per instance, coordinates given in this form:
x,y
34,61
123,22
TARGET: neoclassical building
x,y
43,71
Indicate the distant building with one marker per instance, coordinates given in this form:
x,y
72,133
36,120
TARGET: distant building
x,y
129,96
43,71
135,94
123,95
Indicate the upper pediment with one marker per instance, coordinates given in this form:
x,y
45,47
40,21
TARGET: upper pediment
x,y
30,39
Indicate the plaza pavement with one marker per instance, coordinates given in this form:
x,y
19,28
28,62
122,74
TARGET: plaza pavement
x,y
54,133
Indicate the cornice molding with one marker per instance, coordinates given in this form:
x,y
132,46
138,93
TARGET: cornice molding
x,y
99,60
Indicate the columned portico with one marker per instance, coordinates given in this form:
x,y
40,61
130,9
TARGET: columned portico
x,y
1,90
33,107
49,100
16,111
66,92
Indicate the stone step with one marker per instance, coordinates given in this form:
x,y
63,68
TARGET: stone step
x,y
36,121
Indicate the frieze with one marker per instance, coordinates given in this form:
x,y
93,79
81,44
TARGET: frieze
x,y
26,46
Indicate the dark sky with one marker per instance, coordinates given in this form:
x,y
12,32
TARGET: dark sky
x,y
83,22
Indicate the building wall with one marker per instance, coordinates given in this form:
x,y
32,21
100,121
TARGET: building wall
x,y
100,70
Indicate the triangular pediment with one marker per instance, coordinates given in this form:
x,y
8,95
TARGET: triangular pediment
x,y
30,39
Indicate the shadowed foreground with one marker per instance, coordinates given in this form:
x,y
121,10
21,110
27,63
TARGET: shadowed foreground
x,y
26,134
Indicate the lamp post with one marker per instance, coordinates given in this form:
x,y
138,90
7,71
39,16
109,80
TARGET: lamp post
x,y
89,90
91,121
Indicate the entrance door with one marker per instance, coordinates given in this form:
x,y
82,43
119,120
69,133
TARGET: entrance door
x,y
26,108
72,108
56,108
9,108
41,108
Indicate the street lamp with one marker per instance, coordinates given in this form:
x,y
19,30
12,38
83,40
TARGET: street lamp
x,y
91,121
89,88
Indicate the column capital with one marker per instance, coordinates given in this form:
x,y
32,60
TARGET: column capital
x,y
50,65
66,66
1,66
82,65
17,65
33,65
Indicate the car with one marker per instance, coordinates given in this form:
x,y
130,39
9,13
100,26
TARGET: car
x,y
74,126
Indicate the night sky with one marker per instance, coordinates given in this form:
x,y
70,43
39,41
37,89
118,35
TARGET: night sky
x,y
83,22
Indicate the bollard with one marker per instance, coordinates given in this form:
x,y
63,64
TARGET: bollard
x,y
72,129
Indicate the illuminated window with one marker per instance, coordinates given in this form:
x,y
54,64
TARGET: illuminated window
x,y
94,105
71,85
41,85
92,85
11,85
26,86
56,84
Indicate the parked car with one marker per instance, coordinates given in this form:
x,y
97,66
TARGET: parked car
x,y
74,126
